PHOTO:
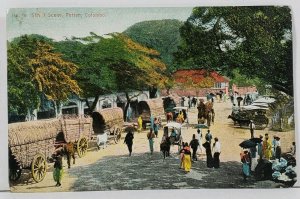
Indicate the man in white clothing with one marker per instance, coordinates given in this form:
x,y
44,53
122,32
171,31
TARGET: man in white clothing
x,y
252,127
217,152
199,134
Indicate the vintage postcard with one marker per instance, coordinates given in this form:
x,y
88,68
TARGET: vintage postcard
x,y
150,98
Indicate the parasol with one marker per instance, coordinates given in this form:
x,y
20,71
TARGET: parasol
x,y
201,126
256,140
247,144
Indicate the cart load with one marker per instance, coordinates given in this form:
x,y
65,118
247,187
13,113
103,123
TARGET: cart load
x,y
76,129
29,145
32,143
110,121
150,107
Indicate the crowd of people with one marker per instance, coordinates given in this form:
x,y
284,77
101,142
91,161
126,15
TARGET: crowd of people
x,y
265,149
188,152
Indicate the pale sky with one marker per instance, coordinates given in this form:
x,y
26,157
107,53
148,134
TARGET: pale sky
x,y
59,23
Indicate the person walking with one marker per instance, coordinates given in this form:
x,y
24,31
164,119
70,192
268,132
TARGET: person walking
x,y
155,126
267,148
259,148
151,122
278,149
208,136
274,145
151,137
252,127
199,134
194,145
140,124
209,159
245,159
129,141
187,163
58,168
217,152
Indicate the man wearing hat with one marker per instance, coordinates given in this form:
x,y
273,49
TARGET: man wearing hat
x,y
252,127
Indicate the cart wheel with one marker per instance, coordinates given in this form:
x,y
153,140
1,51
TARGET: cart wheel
x,y
117,135
15,172
38,167
82,146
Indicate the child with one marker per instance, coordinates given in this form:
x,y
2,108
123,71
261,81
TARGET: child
x,y
58,168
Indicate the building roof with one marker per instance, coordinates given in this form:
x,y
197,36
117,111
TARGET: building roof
x,y
197,75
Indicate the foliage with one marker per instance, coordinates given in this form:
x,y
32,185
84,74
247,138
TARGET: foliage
x,y
114,63
256,40
35,70
161,35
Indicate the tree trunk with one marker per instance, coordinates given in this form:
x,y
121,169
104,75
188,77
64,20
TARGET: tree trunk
x,y
126,106
93,106
152,92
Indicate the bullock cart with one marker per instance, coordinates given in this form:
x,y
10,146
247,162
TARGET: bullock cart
x,y
109,121
32,143
150,107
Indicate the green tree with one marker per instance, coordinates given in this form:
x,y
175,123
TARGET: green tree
x,y
34,69
256,40
161,35
115,63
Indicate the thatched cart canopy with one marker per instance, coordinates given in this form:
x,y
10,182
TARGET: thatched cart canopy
x,y
76,126
106,119
151,107
27,139
33,131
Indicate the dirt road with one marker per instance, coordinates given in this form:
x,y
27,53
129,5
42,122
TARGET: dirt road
x,y
112,169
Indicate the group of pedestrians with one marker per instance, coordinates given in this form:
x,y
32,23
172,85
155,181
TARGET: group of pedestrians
x,y
212,151
265,149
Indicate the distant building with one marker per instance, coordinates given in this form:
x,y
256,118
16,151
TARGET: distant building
x,y
76,105
195,76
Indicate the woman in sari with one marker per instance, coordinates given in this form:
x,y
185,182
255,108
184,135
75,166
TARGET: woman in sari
x,y
180,117
267,148
187,163
246,164
140,124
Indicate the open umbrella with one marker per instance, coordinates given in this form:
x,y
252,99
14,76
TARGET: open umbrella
x,y
247,144
256,140
201,126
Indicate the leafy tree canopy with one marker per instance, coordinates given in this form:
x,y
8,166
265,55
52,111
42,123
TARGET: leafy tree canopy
x,y
34,69
161,35
256,40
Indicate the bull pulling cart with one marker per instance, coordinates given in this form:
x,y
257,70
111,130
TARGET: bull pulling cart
x,y
32,143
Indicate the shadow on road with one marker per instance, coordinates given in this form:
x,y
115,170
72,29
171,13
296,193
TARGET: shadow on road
x,y
145,171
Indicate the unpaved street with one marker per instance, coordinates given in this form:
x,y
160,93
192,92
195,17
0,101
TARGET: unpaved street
x,y
112,169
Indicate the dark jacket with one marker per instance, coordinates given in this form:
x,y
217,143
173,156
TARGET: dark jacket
x,y
128,139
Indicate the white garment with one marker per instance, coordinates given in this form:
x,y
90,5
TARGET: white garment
x,y
252,125
217,147
200,141
253,163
